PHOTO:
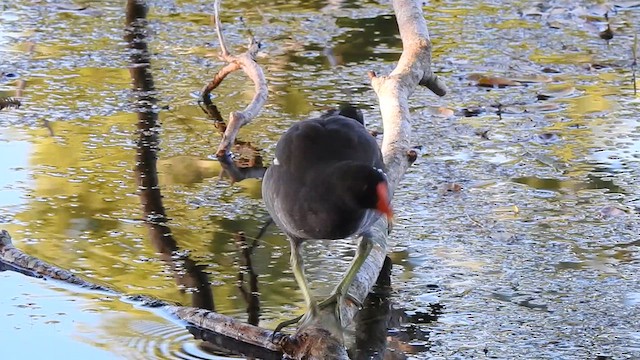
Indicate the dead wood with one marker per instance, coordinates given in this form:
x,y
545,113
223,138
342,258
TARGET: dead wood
x,y
393,91
237,119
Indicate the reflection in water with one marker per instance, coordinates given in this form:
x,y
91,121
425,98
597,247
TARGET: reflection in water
x,y
250,295
572,186
372,322
71,201
370,38
384,331
187,273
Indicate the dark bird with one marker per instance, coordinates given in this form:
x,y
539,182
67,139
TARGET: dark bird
x,y
327,181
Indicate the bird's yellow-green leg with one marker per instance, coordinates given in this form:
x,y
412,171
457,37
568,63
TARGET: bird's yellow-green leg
x,y
297,265
341,291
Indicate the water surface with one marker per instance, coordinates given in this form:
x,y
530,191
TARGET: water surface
x,y
536,255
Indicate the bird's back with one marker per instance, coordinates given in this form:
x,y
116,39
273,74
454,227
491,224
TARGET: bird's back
x,y
318,142
295,188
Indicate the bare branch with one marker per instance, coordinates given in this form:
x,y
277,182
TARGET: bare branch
x,y
246,62
225,325
216,12
219,76
393,91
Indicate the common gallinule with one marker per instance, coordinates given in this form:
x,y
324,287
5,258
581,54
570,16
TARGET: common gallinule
x,y
327,181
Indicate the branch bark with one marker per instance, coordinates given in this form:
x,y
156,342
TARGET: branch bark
x,y
247,62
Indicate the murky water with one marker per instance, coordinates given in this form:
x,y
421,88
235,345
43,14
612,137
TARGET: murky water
x,y
535,257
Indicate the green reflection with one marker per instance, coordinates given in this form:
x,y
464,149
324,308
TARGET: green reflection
x,y
593,182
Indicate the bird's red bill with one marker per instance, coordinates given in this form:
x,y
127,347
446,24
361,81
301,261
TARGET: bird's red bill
x,y
383,200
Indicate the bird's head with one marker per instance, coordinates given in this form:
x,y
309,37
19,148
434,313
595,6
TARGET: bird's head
x,y
368,188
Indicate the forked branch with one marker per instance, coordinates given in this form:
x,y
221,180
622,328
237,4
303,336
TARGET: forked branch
x,y
247,62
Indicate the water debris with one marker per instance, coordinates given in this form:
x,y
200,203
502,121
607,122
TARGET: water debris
x,y
493,81
9,103
443,112
547,138
611,212
451,188
557,91
606,34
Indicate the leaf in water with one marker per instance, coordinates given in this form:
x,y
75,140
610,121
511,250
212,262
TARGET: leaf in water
x,y
547,138
71,7
481,184
496,81
472,111
533,79
549,70
611,211
511,109
626,4
507,211
533,11
558,91
484,134
542,107
451,188
556,24
441,111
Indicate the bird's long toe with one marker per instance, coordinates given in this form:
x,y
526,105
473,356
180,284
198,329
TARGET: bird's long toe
x,y
337,300
286,323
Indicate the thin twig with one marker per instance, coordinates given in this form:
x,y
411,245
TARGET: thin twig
x,y
216,12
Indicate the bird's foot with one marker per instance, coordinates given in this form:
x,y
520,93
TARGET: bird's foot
x,y
337,300
286,323
303,319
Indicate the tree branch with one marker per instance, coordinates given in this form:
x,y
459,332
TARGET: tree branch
x,y
246,62
393,91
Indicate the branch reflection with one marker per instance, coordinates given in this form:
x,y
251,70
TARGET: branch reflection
x,y
187,273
